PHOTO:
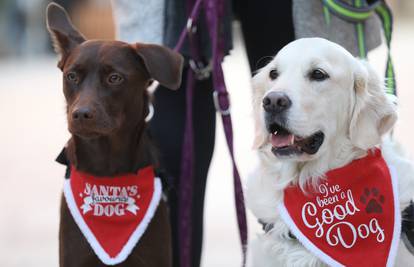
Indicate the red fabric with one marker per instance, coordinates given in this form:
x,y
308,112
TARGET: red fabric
x,y
363,190
113,207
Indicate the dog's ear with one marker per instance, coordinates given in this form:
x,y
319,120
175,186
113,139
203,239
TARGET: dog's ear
x,y
162,64
373,112
64,35
259,90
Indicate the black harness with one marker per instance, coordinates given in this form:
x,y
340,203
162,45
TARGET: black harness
x,y
407,227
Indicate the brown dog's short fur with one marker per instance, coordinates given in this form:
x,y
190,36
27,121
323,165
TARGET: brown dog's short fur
x,y
104,83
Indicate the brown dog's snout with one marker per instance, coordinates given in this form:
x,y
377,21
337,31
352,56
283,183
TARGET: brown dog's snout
x,y
83,113
276,102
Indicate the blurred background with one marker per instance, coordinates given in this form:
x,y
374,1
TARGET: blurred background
x,y
33,129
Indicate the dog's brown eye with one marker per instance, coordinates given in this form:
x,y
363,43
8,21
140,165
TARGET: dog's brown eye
x,y
115,79
273,74
318,75
72,77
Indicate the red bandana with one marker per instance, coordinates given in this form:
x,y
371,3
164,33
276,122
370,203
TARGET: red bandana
x,y
353,219
113,212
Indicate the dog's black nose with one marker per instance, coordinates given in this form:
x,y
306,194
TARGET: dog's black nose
x,y
276,102
83,113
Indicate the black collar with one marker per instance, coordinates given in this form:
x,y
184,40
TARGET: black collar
x,y
165,179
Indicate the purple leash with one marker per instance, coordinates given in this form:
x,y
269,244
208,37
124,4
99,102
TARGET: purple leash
x,y
187,160
186,179
214,9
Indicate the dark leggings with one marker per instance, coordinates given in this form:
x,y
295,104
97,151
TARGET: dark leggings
x,y
267,27
167,128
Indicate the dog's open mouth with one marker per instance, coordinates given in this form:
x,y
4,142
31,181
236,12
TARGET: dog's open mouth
x,y
284,143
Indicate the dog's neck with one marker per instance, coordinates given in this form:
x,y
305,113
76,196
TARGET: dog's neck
x,y
122,152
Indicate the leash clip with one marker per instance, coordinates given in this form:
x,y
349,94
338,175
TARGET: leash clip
x,y
201,70
222,111
150,112
191,28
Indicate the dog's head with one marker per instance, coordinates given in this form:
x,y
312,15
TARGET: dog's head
x,y
314,96
105,82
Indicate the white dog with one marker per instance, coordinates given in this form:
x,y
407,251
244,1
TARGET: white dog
x,y
317,108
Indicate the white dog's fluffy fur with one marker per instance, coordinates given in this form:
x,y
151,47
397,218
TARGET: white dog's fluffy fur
x,y
350,108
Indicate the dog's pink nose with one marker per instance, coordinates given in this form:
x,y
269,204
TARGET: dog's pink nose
x,y
276,102
83,113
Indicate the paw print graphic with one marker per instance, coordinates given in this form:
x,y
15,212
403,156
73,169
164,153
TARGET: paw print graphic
x,y
373,200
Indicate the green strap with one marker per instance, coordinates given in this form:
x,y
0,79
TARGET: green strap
x,y
357,14
360,32
350,12
385,14
327,15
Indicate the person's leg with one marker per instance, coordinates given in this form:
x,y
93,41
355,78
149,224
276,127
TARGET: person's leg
x,y
204,137
267,26
167,128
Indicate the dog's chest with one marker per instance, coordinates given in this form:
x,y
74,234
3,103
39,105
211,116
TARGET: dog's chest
x,y
113,212
354,212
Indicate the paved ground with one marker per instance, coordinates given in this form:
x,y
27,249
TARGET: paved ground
x,y
33,131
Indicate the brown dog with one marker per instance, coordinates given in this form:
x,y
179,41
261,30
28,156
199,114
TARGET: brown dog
x,y
104,83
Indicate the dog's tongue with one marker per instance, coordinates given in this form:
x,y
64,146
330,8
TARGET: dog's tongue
x,y
281,140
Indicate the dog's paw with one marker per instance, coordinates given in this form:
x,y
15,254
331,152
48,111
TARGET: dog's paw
x,y
373,200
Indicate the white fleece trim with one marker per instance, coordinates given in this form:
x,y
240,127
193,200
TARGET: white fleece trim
x,y
328,259
139,20
133,240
